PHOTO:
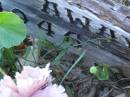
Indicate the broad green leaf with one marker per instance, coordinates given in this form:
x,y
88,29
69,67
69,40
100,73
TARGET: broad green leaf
x,y
12,30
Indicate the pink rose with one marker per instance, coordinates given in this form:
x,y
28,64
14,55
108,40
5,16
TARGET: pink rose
x,y
31,82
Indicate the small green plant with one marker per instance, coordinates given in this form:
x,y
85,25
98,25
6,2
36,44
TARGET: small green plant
x,y
12,32
100,71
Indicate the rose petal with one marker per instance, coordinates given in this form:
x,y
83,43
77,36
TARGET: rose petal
x,y
51,91
31,79
8,88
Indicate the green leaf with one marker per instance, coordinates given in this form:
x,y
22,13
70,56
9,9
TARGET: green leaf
x,y
12,30
93,69
103,72
1,53
7,62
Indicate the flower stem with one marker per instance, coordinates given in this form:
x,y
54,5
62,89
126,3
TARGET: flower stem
x,y
2,72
